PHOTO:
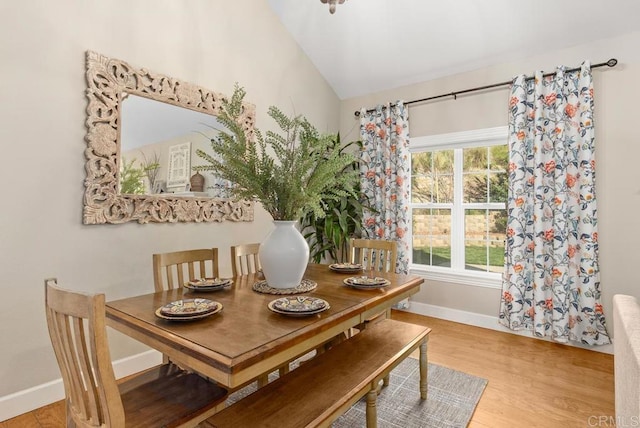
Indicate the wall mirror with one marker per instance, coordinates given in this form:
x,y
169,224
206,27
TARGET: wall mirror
x,y
142,132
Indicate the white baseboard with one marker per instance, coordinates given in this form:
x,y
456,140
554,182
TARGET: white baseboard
x,y
30,399
486,321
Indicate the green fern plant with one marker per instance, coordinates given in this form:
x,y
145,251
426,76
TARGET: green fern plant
x,y
292,173
328,237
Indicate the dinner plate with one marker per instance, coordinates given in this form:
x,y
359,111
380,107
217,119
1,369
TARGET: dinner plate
x,y
298,306
206,288
363,282
188,307
217,309
209,282
346,267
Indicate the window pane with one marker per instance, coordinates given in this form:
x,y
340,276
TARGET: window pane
x,y
496,255
421,163
484,239
422,177
475,159
498,187
475,255
443,170
422,189
474,188
498,158
432,237
443,162
443,188
432,177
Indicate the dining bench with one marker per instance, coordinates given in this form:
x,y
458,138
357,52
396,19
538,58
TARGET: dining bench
x,y
326,386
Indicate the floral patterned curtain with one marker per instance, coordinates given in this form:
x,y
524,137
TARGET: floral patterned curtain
x,y
385,176
551,282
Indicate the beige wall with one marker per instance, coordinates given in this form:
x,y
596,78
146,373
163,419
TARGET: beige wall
x,y
618,153
212,43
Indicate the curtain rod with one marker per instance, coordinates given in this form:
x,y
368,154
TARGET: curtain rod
x,y
611,63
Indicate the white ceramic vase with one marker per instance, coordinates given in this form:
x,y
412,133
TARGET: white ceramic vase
x,y
284,255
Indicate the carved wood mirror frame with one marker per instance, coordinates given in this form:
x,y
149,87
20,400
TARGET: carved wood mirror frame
x,y
108,80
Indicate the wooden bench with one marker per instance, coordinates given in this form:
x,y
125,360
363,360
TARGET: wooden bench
x,y
327,386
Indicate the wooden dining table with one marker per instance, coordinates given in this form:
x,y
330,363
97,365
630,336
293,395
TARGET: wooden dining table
x,y
246,339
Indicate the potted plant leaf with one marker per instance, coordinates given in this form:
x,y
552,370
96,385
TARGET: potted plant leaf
x,y
328,236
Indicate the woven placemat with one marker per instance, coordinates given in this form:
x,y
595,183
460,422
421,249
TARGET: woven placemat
x,y
305,285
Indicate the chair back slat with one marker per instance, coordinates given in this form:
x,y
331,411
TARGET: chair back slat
x,y
172,270
374,254
77,327
244,259
86,357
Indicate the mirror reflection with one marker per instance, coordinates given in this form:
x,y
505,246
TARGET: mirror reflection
x,y
158,144
118,189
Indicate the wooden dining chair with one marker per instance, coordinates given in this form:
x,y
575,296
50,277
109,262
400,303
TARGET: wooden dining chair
x,y
374,254
244,259
164,396
172,270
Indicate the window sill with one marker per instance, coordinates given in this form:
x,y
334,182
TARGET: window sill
x,y
478,279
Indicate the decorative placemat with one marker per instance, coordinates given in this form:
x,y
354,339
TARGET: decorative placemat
x,y
305,285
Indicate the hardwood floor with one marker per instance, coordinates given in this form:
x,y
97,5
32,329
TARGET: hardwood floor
x,y
532,383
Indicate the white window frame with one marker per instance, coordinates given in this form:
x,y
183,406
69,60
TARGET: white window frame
x,y
457,140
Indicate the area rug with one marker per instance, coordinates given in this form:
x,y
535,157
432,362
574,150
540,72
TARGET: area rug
x,y
451,399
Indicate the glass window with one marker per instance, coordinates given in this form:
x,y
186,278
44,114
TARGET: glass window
x,y
432,236
458,203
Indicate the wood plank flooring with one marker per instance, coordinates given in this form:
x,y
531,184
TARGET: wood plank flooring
x,y
532,383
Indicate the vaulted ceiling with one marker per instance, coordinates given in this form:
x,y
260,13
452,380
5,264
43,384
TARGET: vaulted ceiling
x,y
372,45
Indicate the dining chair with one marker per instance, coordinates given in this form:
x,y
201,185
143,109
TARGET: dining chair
x,y
164,395
374,254
244,259
172,270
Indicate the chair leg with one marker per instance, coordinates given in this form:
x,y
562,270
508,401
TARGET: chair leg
x,y
423,370
385,381
372,417
70,422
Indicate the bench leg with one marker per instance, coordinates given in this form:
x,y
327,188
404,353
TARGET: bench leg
x,y
423,370
372,416
283,370
263,380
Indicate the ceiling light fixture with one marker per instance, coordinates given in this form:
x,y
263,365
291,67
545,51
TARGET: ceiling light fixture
x,y
332,4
